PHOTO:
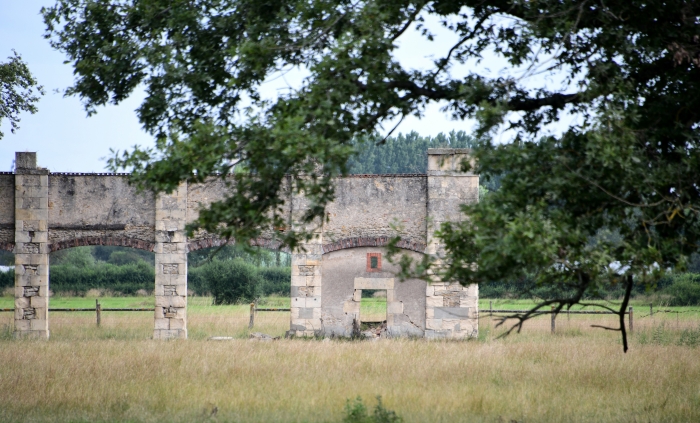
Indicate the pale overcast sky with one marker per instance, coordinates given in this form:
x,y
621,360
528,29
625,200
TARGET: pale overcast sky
x,y
65,139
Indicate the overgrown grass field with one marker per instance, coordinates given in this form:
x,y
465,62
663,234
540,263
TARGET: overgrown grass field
x,y
115,373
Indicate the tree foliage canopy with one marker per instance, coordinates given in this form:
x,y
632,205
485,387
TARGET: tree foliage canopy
x,y
19,91
614,199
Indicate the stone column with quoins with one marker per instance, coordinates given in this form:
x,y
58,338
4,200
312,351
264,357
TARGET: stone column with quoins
x,y
451,309
171,265
306,275
31,248
306,290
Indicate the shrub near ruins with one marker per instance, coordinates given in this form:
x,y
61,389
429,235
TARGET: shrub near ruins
x,y
230,281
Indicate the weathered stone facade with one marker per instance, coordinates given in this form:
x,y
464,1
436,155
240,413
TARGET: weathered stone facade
x,y
31,248
42,212
346,274
171,265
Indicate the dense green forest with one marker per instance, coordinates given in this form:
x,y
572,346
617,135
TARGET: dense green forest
x,y
403,153
408,154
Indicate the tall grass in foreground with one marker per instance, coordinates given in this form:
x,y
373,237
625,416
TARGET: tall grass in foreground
x,y
115,373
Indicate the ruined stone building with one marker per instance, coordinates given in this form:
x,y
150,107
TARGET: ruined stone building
x,y
43,211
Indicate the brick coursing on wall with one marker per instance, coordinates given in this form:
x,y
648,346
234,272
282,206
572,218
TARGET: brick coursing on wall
x,y
372,242
210,242
103,240
67,237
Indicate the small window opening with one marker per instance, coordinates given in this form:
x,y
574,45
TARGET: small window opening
x,y
374,262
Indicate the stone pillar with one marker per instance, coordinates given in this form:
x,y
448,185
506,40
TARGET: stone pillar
x,y
306,275
171,265
306,290
31,248
451,309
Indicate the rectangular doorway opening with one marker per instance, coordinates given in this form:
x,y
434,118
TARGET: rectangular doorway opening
x,y
373,312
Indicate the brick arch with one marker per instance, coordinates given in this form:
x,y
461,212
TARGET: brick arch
x,y
110,241
211,242
381,241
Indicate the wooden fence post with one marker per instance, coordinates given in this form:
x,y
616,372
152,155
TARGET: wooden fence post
x,y
98,312
252,316
631,320
553,317
651,309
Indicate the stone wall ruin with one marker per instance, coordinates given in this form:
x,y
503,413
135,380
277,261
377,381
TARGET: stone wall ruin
x,y
41,211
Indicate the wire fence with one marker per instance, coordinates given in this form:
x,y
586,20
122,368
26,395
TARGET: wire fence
x,y
254,309
579,320
98,310
542,320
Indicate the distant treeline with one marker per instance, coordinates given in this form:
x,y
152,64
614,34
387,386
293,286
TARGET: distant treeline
x,y
403,153
408,154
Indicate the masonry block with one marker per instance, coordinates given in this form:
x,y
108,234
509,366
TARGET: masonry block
x,y
22,325
450,324
434,302
298,280
312,302
162,301
374,283
357,295
162,324
452,313
177,324
306,313
181,290
469,302
313,281
39,302
39,325
351,307
435,324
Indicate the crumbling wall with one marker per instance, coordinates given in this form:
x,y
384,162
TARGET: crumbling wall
x,y
329,271
451,309
200,196
99,209
346,273
7,211
367,207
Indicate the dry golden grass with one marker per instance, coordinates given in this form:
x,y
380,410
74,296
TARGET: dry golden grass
x,y
115,373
